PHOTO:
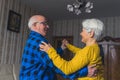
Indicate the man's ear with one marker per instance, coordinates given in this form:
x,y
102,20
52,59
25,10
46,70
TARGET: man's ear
x,y
34,27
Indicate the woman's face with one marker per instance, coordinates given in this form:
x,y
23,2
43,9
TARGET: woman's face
x,y
85,36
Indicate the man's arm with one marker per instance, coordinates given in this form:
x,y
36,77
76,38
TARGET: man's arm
x,y
60,50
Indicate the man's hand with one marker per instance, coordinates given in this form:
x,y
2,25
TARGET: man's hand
x,y
92,71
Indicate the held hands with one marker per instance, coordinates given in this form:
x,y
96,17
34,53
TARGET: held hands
x,y
64,43
45,47
92,71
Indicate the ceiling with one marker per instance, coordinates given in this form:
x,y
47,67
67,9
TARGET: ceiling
x,y
56,9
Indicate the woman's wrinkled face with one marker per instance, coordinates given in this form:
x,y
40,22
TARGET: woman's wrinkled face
x,y
85,36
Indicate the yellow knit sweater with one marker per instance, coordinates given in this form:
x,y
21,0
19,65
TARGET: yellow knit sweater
x,y
89,55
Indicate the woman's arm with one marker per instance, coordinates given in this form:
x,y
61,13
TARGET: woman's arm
x,y
68,67
72,48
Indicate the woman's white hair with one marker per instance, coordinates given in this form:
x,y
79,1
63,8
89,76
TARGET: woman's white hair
x,y
94,24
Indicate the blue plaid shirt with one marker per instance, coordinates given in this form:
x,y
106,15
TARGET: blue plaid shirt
x,y
36,65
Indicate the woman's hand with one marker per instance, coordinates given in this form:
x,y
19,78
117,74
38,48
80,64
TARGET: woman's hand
x,y
44,46
64,43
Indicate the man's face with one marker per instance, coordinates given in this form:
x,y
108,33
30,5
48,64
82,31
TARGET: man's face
x,y
42,26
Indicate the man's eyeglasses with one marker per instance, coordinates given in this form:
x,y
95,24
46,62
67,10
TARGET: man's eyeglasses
x,y
44,23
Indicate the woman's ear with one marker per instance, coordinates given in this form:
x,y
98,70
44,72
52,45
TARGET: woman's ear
x,y
91,34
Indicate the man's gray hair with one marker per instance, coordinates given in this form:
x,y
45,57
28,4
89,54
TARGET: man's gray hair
x,y
31,21
94,24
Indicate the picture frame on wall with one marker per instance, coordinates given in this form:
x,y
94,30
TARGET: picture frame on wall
x,y
14,21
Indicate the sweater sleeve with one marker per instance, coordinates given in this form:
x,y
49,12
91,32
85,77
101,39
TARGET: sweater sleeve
x,y
73,49
68,67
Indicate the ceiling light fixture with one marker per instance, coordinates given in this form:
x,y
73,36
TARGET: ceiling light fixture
x,y
80,6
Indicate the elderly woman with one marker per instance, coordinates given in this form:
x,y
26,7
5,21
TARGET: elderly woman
x,y
89,55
